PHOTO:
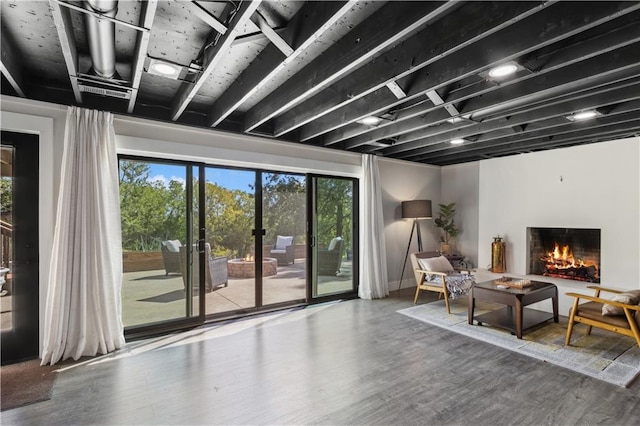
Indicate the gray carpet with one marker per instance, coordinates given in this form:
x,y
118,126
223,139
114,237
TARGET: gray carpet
x,y
603,355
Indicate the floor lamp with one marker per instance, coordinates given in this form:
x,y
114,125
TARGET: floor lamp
x,y
415,209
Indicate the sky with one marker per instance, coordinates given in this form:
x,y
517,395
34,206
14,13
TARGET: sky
x,y
230,179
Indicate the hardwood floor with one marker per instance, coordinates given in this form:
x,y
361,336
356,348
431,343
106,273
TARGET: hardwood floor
x,y
352,362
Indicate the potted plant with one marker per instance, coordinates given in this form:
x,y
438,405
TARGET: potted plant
x,y
445,221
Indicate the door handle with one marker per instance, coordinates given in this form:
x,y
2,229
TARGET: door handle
x,y
256,232
313,241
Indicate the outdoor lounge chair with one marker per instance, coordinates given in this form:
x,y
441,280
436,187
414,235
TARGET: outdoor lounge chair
x,y
283,250
171,256
330,260
217,274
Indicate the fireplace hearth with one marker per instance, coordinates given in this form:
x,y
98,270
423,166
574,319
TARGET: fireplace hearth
x,y
568,253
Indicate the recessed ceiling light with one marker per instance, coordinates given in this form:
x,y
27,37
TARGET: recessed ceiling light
x,y
454,120
583,115
503,70
164,69
457,141
370,121
385,143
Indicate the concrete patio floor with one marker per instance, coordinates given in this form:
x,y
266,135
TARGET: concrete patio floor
x,y
152,296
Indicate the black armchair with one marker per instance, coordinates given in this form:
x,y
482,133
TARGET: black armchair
x,y
171,256
330,260
283,251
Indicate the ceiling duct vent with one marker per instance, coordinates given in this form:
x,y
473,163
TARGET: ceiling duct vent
x,y
120,94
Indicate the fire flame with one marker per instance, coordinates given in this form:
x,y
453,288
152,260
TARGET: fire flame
x,y
249,258
563,257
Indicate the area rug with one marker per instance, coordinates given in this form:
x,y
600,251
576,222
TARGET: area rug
x,y
25,383
603,355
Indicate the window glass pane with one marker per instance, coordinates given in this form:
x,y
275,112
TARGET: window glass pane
x,y
153,210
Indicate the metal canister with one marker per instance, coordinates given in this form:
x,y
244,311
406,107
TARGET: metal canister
x,y
498,263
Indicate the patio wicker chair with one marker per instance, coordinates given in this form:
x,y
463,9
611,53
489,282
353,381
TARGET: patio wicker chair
x,y
217,274
330,260
171,256
283,250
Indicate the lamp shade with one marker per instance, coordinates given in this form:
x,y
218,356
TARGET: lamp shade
x,y
416,209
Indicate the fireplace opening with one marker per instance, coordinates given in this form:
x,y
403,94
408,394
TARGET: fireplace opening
x,y
568,253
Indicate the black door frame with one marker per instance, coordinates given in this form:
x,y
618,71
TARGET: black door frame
x,y
22,341
311,217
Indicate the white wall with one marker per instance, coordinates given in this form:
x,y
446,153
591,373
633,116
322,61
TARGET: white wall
x,y
590,186
403,181
461,185
600,188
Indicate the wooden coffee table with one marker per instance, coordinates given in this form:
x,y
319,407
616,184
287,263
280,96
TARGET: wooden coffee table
x,y
513,316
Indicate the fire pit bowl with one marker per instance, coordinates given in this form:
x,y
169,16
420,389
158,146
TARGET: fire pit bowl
x,y
243,268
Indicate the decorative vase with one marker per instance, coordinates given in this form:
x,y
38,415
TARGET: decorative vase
x,y
498,263
446,248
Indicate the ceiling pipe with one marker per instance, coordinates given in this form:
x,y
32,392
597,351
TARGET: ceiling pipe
x,y
101,36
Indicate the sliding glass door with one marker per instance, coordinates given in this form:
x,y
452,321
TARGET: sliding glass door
x,y
19,263
334,232
284,220
209,242
157,234
229,218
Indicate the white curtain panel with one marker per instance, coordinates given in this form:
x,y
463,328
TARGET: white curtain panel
x,y
83,310
374,283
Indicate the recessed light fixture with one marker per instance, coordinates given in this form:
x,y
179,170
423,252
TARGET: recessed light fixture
x,y
583,115
457,141
164,69
370,121
503,70
385,143
454,120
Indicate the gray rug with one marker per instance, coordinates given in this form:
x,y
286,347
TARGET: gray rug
x,y
25,383
603,355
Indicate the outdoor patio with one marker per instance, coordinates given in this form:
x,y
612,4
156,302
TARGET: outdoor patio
x,y
151,296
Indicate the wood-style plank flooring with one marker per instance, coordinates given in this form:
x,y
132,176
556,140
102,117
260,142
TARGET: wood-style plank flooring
x,y
353,362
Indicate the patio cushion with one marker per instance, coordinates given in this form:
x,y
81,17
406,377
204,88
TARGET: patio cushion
x,y
332,244
282,242
172,245
276,251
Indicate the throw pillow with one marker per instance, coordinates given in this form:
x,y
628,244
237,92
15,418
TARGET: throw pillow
x,y
629,298
172,245
435,264
333,243
283,242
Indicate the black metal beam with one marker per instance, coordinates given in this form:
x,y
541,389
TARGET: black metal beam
x,y
627,119
386,27
311,21
551,25
415,119
472,21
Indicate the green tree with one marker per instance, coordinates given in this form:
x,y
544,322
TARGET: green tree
x,y
6,194
149,211
335,210
284,206
229,218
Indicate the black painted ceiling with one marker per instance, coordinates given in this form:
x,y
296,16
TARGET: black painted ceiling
x,y
308,71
